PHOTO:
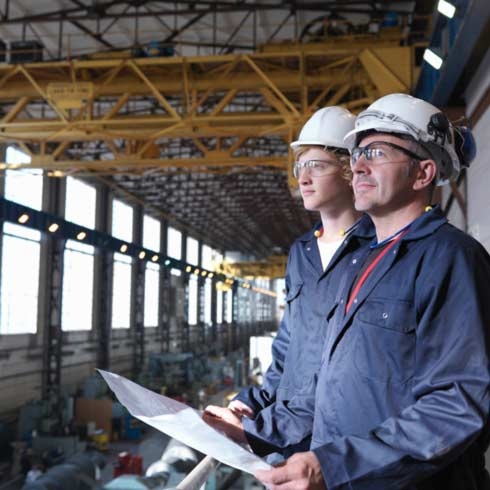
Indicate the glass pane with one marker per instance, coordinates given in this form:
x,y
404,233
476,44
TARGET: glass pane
x,y
78,192
151,233
207,257
229,306
121,292
26,186
192,306
78,282
152,274
21,231
174,243
219,306
192,251
122,221
19,286
208,291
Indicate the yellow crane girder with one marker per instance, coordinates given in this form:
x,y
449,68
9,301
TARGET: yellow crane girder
x,y
274,267
136,106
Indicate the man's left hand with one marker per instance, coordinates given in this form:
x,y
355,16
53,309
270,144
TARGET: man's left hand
x,y
225,420
301,471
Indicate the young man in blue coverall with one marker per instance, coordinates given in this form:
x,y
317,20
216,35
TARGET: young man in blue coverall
x,y
324,177
403,392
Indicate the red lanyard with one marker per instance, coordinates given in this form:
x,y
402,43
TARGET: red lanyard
x,y
370,269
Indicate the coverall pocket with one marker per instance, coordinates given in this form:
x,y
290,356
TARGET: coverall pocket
x,y
385,340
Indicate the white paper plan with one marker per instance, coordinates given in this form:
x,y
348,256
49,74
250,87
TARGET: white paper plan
x,y
182,423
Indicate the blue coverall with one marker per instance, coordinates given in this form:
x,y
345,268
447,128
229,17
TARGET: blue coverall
x,y
403,392
281,423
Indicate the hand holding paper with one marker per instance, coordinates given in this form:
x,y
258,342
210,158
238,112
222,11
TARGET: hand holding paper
x,y
182,423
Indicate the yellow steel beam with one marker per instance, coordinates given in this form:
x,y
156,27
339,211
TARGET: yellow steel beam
x,y
216,159
383,69
196,98
274,267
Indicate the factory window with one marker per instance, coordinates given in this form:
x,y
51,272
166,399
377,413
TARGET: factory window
x,y
207,258
192,301
151,241
174,246
122,221
121,291
19,282
219,306
122,228
192,251
78,193
174,243
78,264
208,291
24,187
152,274
151,233
229,306
78,283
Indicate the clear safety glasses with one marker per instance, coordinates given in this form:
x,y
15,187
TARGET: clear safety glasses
x,y
316,168
380,153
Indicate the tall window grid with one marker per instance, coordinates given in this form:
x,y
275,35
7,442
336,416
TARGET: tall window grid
x,y
122,228
78,260
19,262
151,241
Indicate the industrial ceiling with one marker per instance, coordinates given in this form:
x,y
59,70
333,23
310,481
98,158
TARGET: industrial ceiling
x,y
187,108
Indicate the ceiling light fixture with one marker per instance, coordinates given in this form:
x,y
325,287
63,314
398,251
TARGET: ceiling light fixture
x,y
446,8
433,59
81,235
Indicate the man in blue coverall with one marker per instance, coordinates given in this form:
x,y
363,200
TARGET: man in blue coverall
x,y
403,392
263,416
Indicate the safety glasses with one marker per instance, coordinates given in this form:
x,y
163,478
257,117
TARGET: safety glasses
x,y
380,153
316,168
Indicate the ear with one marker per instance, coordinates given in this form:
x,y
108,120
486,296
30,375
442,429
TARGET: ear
x,y
425,174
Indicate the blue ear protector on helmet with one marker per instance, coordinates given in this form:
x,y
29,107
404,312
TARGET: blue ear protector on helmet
x,y
465,145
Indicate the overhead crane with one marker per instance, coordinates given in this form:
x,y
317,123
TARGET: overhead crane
x,y
134,107
214,114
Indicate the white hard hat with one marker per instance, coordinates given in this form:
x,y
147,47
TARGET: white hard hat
x,y
326,127
425,123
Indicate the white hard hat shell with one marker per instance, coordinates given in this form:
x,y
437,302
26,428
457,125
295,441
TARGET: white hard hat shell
x,y
404,114
326,127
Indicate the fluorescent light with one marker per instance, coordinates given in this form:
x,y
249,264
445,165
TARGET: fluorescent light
x,y
446,8
432,58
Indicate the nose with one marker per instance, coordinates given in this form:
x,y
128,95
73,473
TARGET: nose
x,y
360,166
304,176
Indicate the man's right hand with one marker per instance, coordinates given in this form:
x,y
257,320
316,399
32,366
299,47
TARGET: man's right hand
x,y
240,409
